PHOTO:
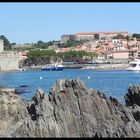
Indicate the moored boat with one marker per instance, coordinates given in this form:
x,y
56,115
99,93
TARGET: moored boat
x,y
53,67
134,65
88,67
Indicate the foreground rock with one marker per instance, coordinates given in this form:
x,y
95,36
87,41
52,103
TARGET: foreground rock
x,y
70,110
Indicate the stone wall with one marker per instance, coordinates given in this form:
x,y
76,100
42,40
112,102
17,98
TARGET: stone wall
x,y
9,61
111,66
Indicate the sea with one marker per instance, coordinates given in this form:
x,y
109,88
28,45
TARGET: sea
x,y
111,82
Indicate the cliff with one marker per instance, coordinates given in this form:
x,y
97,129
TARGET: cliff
x,y
70,110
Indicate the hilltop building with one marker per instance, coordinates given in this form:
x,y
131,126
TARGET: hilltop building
x,y
98,35
91,36
65,38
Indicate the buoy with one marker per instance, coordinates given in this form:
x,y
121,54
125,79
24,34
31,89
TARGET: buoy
x,y
40,78
88,77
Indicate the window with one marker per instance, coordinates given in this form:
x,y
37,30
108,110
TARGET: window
x,y
132,65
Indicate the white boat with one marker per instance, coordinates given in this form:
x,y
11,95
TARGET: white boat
x,y
88,67
22,69
134,65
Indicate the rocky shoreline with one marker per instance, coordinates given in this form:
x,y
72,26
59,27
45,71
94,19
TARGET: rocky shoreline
x,y
70,110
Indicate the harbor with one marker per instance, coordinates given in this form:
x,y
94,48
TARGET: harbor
x,y
80,66
69,70
107,81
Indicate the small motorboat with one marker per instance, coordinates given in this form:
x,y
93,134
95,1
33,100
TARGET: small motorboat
x,y
88,67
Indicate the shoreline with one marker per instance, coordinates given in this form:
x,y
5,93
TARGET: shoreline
x,y
97,66
79,66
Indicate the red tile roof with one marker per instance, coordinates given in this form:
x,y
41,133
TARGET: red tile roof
x,y
93,33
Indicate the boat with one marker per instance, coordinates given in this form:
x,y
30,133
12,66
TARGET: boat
x,y
21,69
88,67
134,65
53,67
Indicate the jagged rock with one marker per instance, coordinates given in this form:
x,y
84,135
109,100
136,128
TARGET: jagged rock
x,y
133,95
7,90
70,110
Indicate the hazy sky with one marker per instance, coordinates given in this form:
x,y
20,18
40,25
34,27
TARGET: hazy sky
x,y
30,22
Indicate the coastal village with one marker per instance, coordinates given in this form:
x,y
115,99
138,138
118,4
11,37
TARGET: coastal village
x,y
69,70
69,108
104,44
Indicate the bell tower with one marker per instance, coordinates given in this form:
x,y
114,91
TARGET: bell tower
x,y
1,45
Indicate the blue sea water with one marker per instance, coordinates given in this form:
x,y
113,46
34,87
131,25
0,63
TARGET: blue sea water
x,y
111,82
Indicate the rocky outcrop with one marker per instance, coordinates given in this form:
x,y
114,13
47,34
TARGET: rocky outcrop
x,y
133,95
70,110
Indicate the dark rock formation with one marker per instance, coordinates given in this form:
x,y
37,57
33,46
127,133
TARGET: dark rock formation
x,y
133,95
22,89
70,110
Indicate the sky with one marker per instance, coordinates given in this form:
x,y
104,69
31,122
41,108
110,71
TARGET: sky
x,y
34,21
